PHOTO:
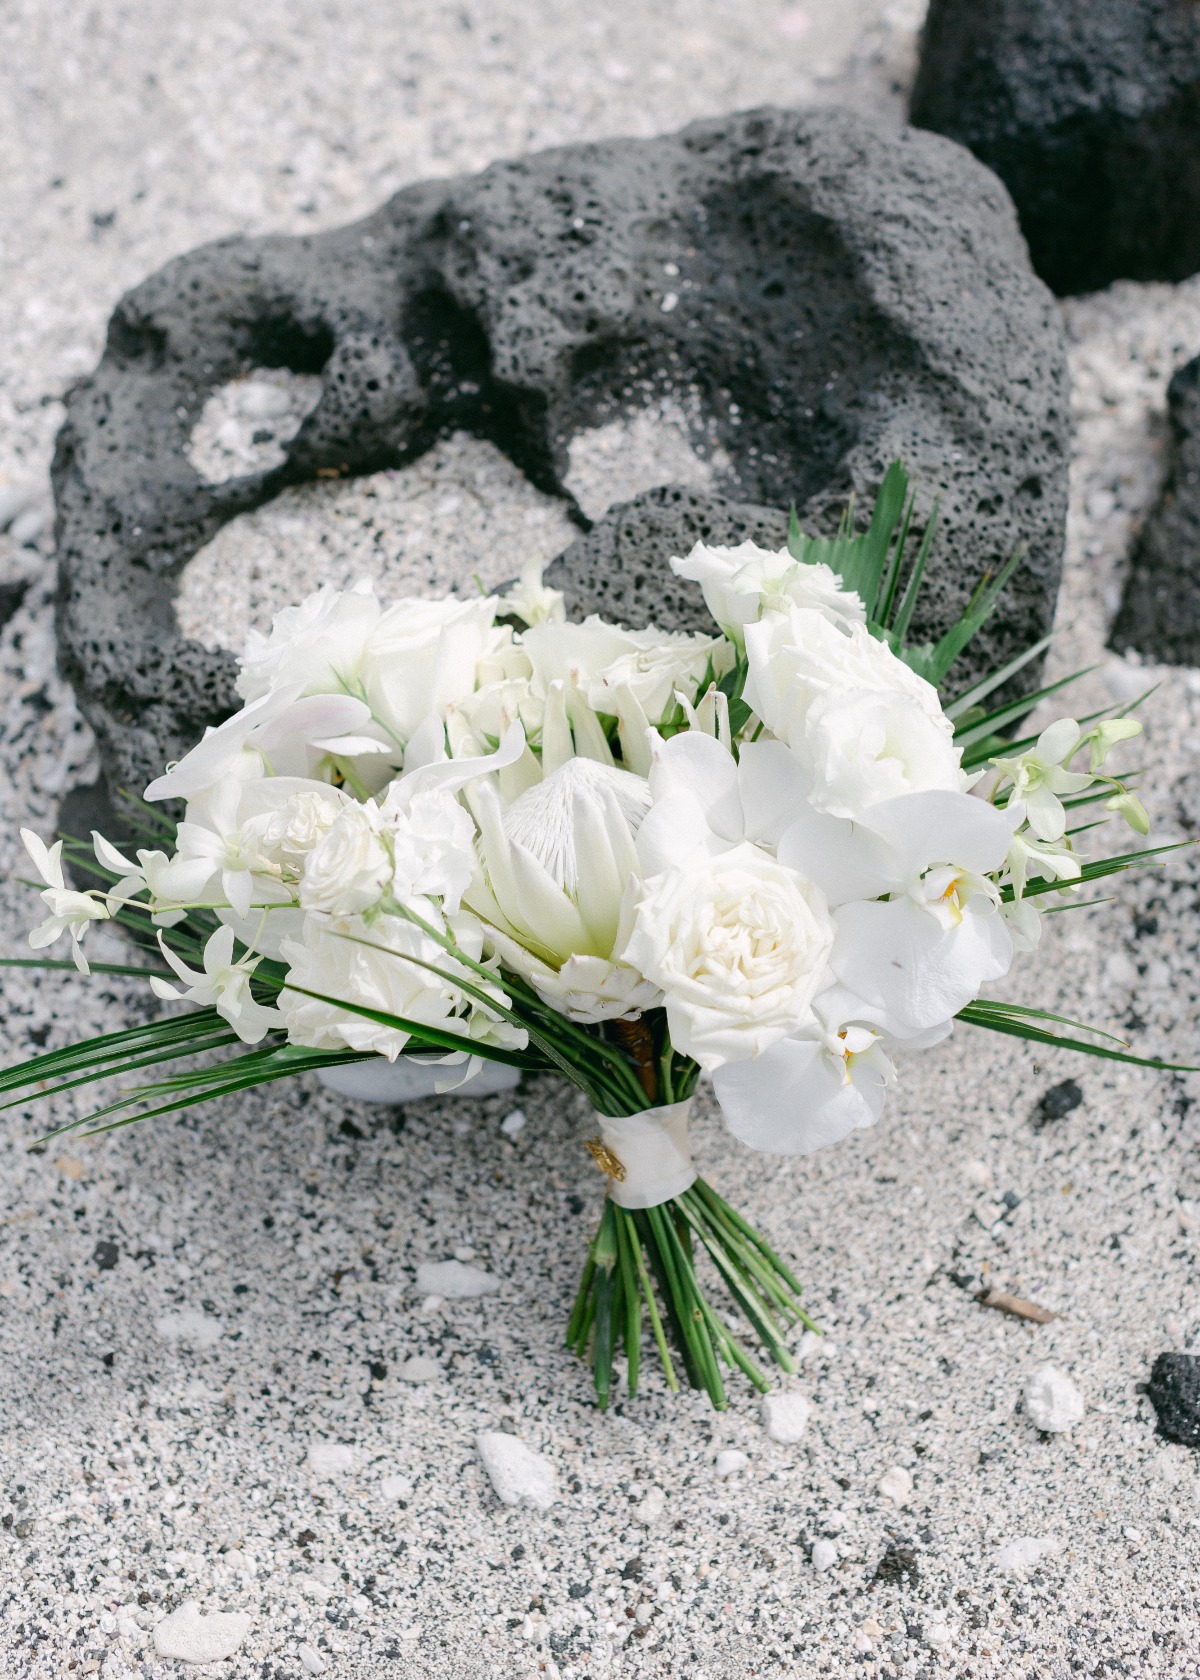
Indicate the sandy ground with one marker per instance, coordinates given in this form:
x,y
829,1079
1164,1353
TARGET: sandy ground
x,y
186,1310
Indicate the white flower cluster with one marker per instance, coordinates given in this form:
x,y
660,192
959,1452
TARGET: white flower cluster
x,y
765,833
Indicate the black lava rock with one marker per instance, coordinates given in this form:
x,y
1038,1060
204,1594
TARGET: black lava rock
x,y
105,1256
1174,1392
1160,610
1058,1101
1089,112
823,294
898,1566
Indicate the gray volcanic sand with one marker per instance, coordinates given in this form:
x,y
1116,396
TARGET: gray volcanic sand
x,y
187,1307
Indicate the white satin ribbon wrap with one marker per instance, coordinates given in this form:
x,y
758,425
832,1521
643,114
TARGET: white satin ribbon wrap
x,y
653,1148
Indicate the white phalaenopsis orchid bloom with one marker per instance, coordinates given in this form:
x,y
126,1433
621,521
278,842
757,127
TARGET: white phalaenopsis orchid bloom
x,y
224,985
70,911
806,1091
1041,779
557,866
739,945
743,584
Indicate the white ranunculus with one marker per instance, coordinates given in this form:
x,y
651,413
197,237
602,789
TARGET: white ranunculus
x,y
349,867
352,962
742,584
739,944
865,726
307,816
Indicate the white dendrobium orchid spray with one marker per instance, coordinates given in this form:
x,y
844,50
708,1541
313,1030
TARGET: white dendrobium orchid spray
x,y
627,856
223,985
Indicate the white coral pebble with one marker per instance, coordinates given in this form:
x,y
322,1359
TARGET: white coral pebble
x,y
189,1637
453,1281
1053,1402
784,1417
824,1555
729,1462
1021,1554
329,1458
896,1484
519,1475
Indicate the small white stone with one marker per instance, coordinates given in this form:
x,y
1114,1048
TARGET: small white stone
x,y
465,1253
360,1604
198,1328
27,527
312,1662
513,1124
1054,1403
810,1342
979,1174
937,1634
729,1462
651,1507
420,1368
896,1484
15,498
108,1622
396,1487
189,1637
519,1475
862,1643
329,1458
1017,1555
835,1521
454,1281
784,1416
824,1555
669,302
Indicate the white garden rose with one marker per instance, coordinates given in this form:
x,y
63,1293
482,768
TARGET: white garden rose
x,y
742,584
293,832
348,868
860,721
739,945
866,746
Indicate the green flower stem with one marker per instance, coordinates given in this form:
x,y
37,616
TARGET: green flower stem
x,y
647,1256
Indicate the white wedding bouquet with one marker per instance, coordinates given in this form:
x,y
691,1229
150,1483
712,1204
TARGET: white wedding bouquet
x,y
774,856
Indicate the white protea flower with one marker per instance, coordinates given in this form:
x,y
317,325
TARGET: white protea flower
x,y
555,884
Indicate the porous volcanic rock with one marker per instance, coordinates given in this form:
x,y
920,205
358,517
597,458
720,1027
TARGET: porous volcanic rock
x,y
823,293
1089,112
1160,609
1174,1392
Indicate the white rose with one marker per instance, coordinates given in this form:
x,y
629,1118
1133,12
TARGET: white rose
x,y
349,961
742,584
308,644
347,869
405,661
820,689
864,746
423,656
739,945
